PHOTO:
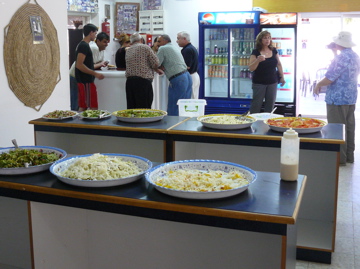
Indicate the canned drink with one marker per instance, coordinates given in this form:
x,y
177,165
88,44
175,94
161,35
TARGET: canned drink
x,y
207,50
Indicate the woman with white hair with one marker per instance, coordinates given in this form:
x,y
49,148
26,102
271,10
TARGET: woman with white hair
x,y
341,94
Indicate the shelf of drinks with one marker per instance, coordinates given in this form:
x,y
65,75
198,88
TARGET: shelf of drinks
x,y
238,54
233,78
216,64
217,78
210,56
217,40
242,40
233,65
241,78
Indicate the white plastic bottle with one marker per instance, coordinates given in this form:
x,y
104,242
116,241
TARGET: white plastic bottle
x,y
289,160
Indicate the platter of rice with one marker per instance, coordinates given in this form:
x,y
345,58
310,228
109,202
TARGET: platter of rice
x,y
226,121
201,179
100,170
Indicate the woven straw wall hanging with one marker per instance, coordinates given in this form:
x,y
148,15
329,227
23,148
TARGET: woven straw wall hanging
x,y
31,55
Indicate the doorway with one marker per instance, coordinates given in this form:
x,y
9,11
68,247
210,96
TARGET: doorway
x,y
315,31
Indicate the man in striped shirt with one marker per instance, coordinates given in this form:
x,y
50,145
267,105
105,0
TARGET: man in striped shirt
x,y
141,63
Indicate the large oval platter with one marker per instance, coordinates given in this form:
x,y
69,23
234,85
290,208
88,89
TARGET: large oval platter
x,y
226,121
158,173
95,114
143,164
140,115
299,124
31,168
60,115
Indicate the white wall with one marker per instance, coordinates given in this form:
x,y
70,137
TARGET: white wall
x,y
179,15
14,115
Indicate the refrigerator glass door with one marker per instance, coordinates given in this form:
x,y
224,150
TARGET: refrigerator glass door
x,y
283,40
242,44
216,62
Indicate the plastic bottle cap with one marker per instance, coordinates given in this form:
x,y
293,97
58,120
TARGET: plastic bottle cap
x,y
290,134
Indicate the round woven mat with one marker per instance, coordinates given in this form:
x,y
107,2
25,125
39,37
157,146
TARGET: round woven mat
x,y
33,70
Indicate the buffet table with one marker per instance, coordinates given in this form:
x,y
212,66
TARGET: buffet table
x,y
177,138
135,226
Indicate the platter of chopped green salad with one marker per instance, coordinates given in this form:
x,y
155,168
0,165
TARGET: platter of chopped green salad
x,y
28,159
95,114
140,115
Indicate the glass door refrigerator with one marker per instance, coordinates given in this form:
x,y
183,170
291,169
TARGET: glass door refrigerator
x,y
226,40
282,27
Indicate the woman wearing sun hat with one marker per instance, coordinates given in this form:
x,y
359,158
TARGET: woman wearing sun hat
x,y
341,94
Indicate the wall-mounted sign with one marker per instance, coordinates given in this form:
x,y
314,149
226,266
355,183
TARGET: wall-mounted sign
x,y
241,17
37,29
126,18
278,18
152,4
89,6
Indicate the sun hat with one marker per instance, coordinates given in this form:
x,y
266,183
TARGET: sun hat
x,y
344,39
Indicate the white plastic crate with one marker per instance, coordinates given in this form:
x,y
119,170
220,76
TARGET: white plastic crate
x,y
191,107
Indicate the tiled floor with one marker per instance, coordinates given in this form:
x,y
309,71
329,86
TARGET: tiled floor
x,y
347,244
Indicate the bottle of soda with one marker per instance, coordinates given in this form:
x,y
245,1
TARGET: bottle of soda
x,y
242,73
216,50
213,59
241,34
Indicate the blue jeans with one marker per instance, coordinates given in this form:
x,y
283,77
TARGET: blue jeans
x,y
179,88
74,104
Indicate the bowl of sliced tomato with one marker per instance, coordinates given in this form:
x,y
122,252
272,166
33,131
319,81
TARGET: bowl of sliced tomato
x,y
299,124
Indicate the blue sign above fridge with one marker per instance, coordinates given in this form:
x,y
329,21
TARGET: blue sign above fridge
x,y
236,17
